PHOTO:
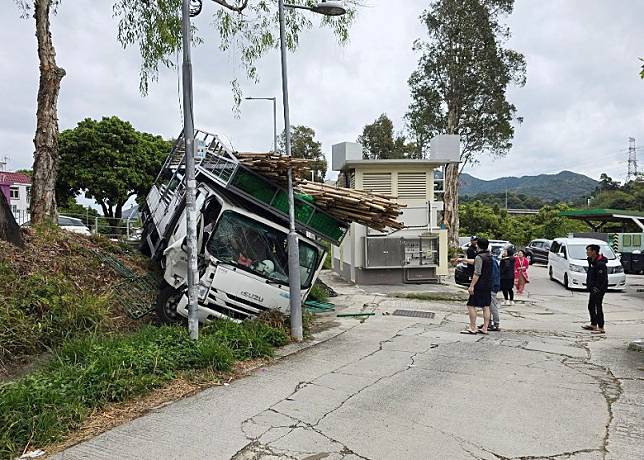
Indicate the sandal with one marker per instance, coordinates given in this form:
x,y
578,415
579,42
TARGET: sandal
x,y
481,331
588,327
467,331
598,331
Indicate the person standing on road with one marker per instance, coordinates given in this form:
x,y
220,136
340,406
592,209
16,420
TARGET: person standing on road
x,y
480,289
496,287
521,265
470,255
507,276
597,284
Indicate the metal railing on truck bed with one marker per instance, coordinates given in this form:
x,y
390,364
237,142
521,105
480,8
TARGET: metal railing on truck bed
x,y
218,164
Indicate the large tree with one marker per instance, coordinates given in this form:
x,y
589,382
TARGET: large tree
x,y
460,86
155,27
110,161
380,142
304,145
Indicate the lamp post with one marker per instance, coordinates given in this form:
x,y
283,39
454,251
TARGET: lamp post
x,y
274,116
190,8
328,8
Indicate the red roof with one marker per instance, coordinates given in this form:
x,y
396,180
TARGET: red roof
x,y
9,178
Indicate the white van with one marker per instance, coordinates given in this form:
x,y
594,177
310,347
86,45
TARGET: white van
x,y
568,263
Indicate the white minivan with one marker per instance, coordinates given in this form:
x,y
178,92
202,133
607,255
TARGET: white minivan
x,y
568,263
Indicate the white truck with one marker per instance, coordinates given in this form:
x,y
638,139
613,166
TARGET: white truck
x,y
242,236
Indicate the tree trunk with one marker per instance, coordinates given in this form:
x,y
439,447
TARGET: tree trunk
x,y
9,229
450,197
43,197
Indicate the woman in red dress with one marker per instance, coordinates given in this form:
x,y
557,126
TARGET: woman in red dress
x,y
521,265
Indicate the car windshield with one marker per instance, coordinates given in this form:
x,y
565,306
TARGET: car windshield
x,y
70,222
578,251
258,248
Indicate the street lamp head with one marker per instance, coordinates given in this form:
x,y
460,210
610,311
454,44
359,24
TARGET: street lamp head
x,y
329,8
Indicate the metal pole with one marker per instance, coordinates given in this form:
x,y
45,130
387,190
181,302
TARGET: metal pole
x,y
274,124
295,296
191,211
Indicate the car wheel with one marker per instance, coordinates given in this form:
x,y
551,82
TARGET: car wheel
x,y
552,278
167,303
566,281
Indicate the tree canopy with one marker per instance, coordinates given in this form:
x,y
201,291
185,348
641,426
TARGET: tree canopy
x,y
304,145
460,86
612,195
110,161
380,142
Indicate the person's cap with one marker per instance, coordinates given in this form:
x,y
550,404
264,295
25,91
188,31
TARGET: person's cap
x,y
474,238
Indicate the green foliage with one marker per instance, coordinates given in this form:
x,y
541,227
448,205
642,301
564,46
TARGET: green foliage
x,y
318,293
462,77
612,195
380,143
109,160
87,374
39,311
514,200
249,28
480,219
304,145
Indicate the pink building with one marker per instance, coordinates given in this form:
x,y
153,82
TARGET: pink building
x,y
16,187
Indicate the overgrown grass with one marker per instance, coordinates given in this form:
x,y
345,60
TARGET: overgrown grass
x,y
89,373
318,293
40,310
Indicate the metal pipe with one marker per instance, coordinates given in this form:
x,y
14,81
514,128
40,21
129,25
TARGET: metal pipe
x,y
191,208
295,296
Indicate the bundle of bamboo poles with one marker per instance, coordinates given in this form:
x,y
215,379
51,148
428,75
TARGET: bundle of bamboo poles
x,y
349,205
373,210
274,166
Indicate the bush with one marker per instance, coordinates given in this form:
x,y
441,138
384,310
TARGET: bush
x,y
89,373
318,293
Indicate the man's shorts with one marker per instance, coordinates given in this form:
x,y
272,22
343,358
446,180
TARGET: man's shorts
x,y
480,299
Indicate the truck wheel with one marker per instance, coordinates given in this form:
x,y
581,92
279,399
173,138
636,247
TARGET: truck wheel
x,y
167,303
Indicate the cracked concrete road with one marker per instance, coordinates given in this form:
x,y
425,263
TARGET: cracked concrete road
x,y
397,387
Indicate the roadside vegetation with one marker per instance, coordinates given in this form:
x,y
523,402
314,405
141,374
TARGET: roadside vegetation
x,y
59,308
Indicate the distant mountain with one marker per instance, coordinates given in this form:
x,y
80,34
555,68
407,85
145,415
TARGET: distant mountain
x,y
565,186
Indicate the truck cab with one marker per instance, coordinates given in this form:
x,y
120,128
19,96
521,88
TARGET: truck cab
x,y
242,230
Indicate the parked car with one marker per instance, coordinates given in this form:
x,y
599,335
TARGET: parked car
x,y
71,224
461,274
537,251
568,263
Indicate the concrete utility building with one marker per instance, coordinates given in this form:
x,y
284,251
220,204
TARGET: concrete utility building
x,y
415,254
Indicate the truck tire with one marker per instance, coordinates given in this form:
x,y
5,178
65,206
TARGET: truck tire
x,y
167,302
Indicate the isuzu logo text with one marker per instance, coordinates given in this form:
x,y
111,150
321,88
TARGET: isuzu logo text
x,y
256,297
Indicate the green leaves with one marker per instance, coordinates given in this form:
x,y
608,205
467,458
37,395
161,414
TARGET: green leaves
x,y
379,142
304,145
155,28
462,77
109,160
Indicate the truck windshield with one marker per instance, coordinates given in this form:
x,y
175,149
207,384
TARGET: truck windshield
x,y
258,248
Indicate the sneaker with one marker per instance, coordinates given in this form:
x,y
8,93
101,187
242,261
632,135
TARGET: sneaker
x,y
511,302
495,328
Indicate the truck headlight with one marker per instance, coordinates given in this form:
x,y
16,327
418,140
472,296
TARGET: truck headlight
x,y
577,268
202,291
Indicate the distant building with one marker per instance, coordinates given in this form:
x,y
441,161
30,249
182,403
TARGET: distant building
x,y
16,187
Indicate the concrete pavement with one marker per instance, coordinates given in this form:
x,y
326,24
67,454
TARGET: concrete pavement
x,y
394,387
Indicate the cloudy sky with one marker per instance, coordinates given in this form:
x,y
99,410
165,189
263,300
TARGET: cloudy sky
x,y
582,101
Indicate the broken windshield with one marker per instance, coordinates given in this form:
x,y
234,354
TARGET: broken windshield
x,y
258,248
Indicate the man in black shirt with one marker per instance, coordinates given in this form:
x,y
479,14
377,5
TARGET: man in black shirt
x,y
597,284
480,289
470,254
